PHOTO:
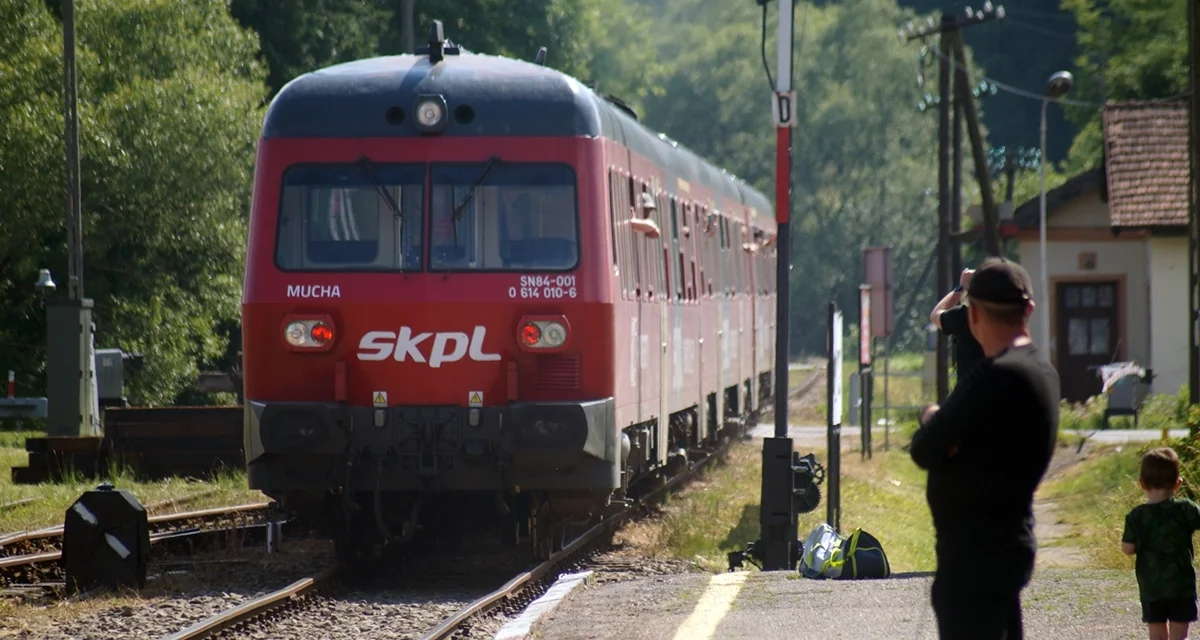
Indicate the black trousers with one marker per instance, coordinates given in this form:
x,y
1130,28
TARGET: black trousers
x,y
977,609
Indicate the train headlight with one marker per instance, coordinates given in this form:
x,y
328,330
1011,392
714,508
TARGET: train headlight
x,y
554,334
431,113
308,333
543,333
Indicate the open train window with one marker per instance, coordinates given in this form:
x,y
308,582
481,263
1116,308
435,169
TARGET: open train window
x,y
336,217
522,217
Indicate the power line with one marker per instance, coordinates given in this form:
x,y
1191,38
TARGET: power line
x,y
1036,29
1007,88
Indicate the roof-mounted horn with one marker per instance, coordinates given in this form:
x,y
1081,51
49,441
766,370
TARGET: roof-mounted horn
x,y
438,47
437,42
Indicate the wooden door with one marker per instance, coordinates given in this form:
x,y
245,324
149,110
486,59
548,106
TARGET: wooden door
x,y
1088,335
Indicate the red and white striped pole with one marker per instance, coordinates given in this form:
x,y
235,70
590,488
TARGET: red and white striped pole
x,y
778,476
12,383
783,112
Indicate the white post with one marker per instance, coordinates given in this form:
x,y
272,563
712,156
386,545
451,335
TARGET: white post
x,y
1044,311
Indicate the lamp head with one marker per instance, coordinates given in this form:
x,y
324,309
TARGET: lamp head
x,y
45,283
1059,84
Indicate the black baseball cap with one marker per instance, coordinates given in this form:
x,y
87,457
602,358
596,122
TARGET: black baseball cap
x,y
1000,281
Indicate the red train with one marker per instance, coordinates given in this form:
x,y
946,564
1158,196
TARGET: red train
x,y
475,289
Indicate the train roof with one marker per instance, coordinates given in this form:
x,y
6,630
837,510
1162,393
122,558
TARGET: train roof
x,y
485,96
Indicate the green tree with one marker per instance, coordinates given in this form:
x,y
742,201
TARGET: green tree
x,y
298,36
169,104
863,155
1129,50
1035,38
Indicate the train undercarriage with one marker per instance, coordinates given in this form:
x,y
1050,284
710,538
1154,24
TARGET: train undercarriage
x,y
365,518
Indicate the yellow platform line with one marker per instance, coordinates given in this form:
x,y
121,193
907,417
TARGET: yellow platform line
x,y
713,605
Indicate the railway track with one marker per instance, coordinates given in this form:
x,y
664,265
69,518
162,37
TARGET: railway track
x,y
512,597
32,557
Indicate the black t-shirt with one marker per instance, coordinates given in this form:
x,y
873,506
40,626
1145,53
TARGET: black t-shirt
x,y
1003,419
967,351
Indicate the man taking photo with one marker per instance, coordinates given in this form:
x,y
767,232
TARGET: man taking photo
x,y
986,449
951,318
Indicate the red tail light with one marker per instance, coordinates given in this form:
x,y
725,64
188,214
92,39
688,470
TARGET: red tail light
x,y
544,334
308,333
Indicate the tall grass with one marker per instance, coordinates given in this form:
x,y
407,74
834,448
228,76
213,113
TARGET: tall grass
x,y
227,487
720,513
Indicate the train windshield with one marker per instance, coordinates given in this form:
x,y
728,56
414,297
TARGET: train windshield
x,y
339,217
521,217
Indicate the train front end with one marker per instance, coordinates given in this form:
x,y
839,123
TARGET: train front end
x,y
423,330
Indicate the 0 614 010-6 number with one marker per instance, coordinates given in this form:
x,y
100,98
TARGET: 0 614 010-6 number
x,y
537,293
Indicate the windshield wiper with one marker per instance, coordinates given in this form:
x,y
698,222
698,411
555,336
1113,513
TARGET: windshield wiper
x,y
364,163
462,206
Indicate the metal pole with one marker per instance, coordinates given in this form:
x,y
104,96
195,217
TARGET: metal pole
x,y
887,360
956,144
409,18
71,115
944,197
1194,202
783,205
1044,325
778,512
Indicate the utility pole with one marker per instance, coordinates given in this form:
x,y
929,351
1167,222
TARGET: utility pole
x,y
70,373
978,146
1194,203
409,18
956,182
944,279
952,57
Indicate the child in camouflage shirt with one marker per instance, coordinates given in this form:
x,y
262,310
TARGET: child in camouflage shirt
x,y
1159,532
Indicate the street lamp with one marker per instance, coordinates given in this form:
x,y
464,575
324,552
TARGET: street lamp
x,y
1056,87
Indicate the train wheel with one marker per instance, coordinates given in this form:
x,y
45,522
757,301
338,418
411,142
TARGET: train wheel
x,y
542,530
346,535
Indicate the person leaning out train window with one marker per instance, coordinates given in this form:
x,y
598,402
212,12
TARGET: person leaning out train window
x,y
645,223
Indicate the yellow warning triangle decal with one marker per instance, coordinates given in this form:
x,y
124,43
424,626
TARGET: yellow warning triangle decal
x,y
475,398
379,397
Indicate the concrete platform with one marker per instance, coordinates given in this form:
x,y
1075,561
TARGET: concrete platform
x,y
1059,604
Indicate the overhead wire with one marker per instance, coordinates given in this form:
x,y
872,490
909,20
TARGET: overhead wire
x,y
1007,88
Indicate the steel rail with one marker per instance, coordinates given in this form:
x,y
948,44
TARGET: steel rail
x,y
254,608
12,562
490,601
167,518
803,389
265,604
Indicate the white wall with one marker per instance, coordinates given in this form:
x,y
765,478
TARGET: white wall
x,y
1169,302
1113,258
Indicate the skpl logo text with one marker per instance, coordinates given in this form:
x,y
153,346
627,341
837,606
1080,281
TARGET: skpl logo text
x,y
448,346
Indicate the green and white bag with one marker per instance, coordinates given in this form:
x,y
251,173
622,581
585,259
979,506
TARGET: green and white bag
x,y
828,555
863,557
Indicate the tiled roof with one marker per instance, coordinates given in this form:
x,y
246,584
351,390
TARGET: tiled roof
x,y
1146,155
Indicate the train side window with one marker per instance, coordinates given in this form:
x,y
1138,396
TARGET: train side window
x,y
723,272
676,250
622,241
612,215
739,233
662,243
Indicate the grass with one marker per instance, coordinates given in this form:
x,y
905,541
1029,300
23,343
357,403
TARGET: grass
x,y
53,499
1094,497
720,512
